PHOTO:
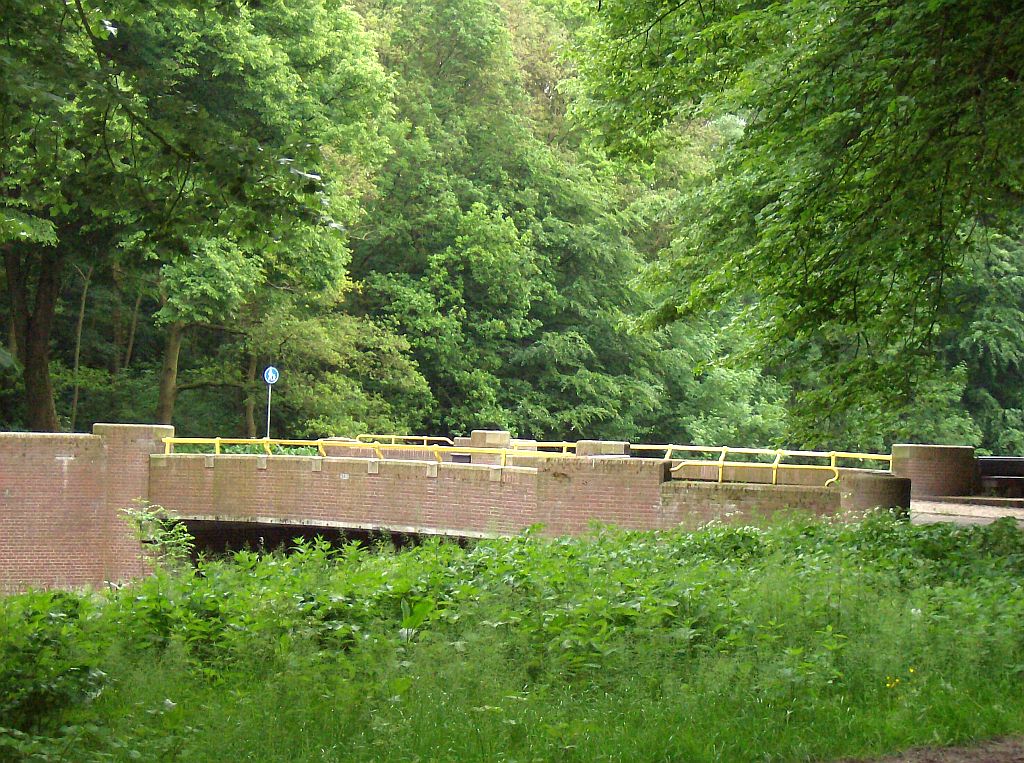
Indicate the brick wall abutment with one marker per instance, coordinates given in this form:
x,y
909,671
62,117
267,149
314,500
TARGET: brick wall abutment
x,y
128,448
691,503
60,497
52,510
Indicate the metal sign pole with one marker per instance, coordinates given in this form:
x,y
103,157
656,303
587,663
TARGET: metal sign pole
x,y
270,376
270,388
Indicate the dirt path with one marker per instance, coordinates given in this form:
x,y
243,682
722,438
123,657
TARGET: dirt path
x,y
997,751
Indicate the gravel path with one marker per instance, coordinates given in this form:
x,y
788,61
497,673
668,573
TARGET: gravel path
x,y
923,511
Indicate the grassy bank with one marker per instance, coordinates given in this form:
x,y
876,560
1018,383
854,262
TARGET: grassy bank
x,y
807,640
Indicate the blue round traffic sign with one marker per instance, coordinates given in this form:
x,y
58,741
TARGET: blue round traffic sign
x,y
271,375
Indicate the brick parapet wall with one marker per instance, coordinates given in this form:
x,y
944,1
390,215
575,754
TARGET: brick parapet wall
x,y
407,496
691,504
566,496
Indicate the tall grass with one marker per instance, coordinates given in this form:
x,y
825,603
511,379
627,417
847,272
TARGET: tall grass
x,y
803,641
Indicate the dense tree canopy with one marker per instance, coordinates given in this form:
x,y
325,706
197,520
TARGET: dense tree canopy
x,y
203,151
564,219
876,137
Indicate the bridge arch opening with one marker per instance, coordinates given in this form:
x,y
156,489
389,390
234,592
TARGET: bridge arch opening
x,y
216,538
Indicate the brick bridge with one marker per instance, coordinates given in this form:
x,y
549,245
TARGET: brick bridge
x,y
60,494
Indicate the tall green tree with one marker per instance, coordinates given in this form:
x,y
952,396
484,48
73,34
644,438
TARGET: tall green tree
x,y
209,168
206,147
493,243
875,137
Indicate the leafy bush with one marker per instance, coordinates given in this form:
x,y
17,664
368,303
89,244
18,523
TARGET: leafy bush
x,y
46,666
809,639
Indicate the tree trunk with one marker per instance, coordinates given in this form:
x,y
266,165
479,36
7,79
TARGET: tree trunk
x,y
32,321
117,321
131,332
12,340
117,318
169,374
250,400
87,277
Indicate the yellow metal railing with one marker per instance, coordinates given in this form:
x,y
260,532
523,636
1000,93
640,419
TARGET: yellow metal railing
x,y
437,452
529,446
777,454
432,448
403,439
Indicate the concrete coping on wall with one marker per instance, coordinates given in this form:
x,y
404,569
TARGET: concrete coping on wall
x,y
52,436
921,446
597,465
602,448
106,427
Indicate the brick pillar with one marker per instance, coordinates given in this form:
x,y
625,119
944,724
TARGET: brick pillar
x,y
460,458
862,490
128,448
573,492
936,470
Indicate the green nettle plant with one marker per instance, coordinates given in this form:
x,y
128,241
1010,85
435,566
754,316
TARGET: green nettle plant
x,y
166,542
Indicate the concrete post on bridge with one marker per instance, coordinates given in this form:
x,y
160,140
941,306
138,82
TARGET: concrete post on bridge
x,y
489,438
602,449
